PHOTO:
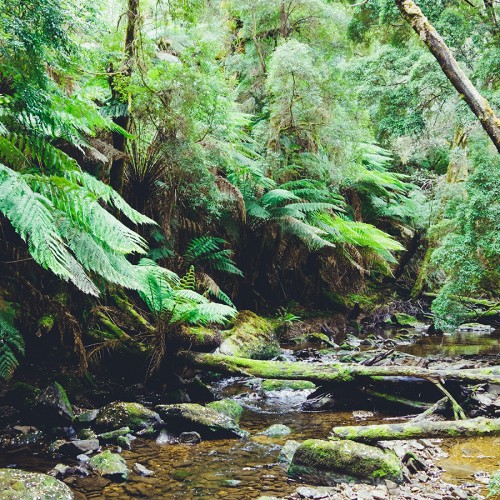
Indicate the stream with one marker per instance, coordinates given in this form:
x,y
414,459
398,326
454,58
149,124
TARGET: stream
x,y
250,469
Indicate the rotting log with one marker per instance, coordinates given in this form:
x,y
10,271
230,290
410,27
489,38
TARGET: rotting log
x,y
474,427
331,372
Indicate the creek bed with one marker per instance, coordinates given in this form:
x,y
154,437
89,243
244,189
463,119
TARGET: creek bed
x,y
235,469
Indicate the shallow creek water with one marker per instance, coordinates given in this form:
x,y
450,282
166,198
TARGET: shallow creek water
x,y
249,469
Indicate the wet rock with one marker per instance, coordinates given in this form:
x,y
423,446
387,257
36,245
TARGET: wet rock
x,y
21,485
87,416
120,414
125,442
228,407
165,438
475,327
55,445
329,462
251,337
53,406
405,319
26,436
316,493
61,471
288,451
231,483
110,465
87,434
114,435
78,446
206,421
142,471
190,438
276,430
362,414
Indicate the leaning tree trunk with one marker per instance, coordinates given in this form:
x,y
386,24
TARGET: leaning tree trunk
x,y
419,430
476,102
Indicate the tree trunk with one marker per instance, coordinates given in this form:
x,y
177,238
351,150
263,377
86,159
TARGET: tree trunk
x,y
419,430
334,372
428,34
117,169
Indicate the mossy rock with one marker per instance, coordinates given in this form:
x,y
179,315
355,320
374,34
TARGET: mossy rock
x,y
110,465
405,319
21,485
119,414
228,407
286,385
250,337
53,406
328,462
210,424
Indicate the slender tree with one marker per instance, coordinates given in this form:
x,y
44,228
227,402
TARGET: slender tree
x,y
476,102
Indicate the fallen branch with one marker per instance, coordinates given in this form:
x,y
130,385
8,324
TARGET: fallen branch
x,y
332,372
419,430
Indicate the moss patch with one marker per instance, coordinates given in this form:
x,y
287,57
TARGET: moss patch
x,y
283,385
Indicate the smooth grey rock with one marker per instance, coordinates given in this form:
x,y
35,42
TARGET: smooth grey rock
x,y
276,430
142,471
206,421
78,446
288,451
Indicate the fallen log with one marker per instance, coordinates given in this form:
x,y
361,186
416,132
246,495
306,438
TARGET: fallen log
x,y
474,427
332,372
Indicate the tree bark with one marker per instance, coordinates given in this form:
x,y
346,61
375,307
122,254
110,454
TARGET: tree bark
x,y
117,169
419,430
333,372
428,34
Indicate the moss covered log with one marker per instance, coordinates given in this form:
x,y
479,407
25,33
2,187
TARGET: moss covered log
x,y
332,372
419,430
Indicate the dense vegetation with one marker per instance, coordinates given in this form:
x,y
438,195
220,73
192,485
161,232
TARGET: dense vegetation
x,y
163,163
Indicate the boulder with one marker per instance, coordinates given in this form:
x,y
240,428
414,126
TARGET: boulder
x,y
251,337
110,465
228,407
120,414
209,423
21,485
189,437
53,406
142,471
329,462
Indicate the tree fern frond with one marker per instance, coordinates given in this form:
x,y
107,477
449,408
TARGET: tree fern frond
x,y
31,215
11,347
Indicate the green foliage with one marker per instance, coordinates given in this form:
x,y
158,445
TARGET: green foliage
x,y
469,252
11,347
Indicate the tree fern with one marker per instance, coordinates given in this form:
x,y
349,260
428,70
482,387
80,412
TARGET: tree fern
x,y
11,347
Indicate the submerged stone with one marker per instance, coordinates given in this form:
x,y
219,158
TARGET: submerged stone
x,y
228,407
21,485
142,471
329,462
110,465
251,337
120,414
276,430
209,423
190,438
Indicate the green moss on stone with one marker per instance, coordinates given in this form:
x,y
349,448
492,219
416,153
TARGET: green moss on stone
x,y
227,407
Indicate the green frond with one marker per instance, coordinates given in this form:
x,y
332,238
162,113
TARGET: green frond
x,y
276,197
11,347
